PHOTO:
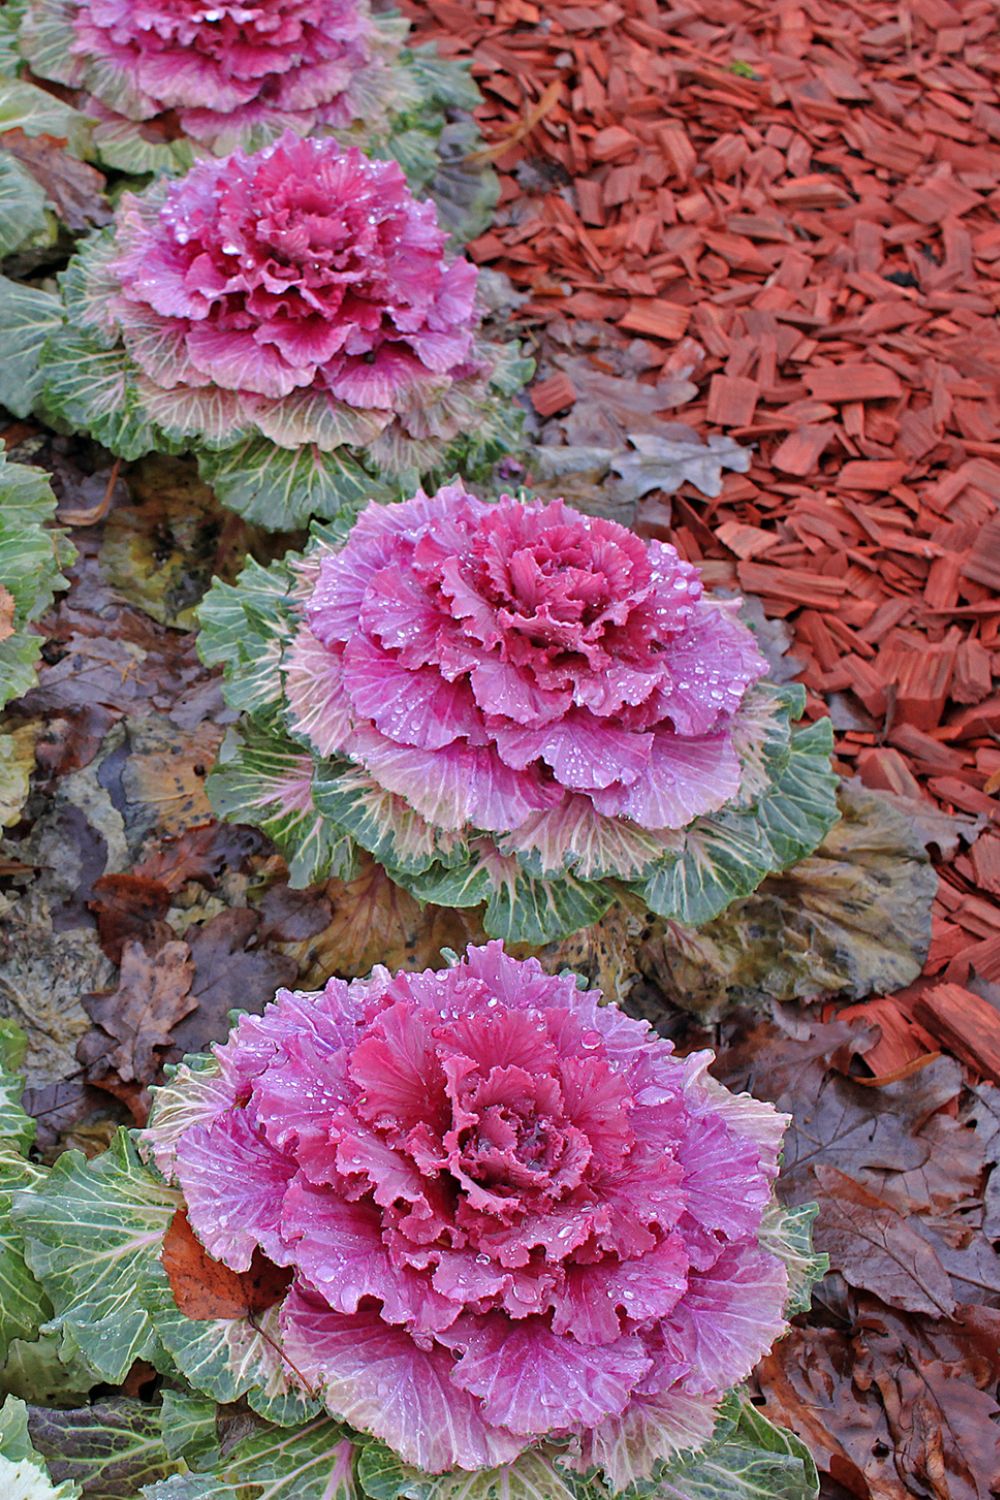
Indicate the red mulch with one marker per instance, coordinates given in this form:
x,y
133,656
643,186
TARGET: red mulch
x,y
822,239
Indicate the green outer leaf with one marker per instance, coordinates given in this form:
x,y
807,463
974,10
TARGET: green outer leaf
x,y
463,885
27,317
224,1358
30,557
727,855
13,1048
24,218
88,291
19,655
17,1128
91,388
721,858
15,1442
110,1448
762,736
90,1230
10,21
190,1430
519,907
444,81
37,112
244,627
787,1233
379,821
535,1475
750,1459
802,808
315,1462
280,488
259,772
48,1368
24,1306
189,1487
121,144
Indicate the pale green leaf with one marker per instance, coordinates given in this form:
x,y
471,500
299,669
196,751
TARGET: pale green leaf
x,y
245,628
787,1233
90,1230
27,317
720,858
17,1129
314,1462
225,1358
120,143
37,112
280,488
262,778
24,218
190,1429
23,1304
23,1475
520,908
46,40
535,1475
381,822
91,389
752,1460
726,855
802,806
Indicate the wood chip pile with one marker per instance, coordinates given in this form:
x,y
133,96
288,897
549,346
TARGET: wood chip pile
x,y
801,201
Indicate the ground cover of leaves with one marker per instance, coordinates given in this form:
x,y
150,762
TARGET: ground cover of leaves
x,y
845,222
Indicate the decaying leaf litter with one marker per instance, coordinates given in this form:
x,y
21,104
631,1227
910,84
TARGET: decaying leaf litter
x,y
132,922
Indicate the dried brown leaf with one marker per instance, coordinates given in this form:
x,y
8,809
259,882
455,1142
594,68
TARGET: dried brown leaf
x,y
133,1024
873,1247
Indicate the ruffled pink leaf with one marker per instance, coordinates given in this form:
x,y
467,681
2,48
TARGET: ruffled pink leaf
x,y
599,1296
530,1380
233,1182
728,1317
379,1380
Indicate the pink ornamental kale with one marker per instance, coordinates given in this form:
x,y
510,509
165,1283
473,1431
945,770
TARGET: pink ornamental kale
x,y
305,267
292,316
522,670
228,71
510,1212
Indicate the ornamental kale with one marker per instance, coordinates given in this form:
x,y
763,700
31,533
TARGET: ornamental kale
x,y
509,1213
169,80
293,318
224,68
513,703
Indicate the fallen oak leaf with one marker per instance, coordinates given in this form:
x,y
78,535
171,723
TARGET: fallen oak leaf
x,y
806,1380
204,1289
75,189
166,771
873,1247
232,971
133,1023
200,853
130,908
375,921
